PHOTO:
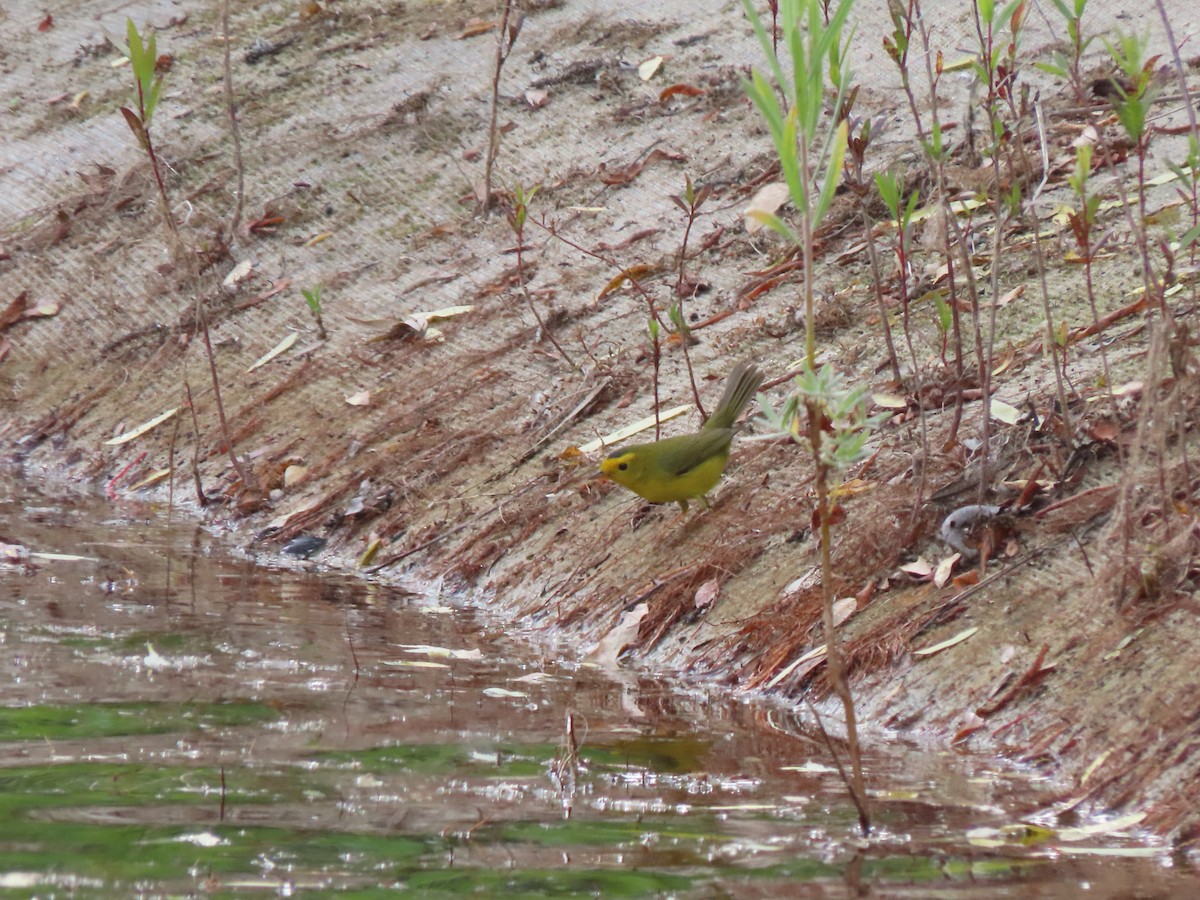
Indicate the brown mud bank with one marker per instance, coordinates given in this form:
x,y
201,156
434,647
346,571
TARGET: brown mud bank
x,y
440,419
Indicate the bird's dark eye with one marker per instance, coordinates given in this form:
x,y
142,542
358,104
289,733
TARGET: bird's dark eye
x,y
622,466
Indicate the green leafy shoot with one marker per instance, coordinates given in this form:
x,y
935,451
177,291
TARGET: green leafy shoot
x,y
312,296
143,55
848,427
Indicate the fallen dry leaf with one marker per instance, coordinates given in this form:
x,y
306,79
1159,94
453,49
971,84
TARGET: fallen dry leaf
x,y
629,431
679,90
946,644
238,273
942,574
1011,295
42,309
806,663
621,636
293,475
1004,412
966,579
474,26
766,200
15,311
707,593
632,274
625,174
1105,431
647,69
889,401
141,429
282,346
844,609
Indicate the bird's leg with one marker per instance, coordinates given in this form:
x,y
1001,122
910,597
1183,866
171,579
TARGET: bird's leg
x,y
683,505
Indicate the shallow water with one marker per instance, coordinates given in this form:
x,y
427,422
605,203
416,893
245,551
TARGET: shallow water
x,y
178,719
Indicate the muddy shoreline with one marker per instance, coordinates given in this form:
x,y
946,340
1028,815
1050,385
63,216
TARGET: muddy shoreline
x,y
438,425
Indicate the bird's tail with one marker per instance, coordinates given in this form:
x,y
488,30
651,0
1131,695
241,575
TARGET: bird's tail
x,y
742,385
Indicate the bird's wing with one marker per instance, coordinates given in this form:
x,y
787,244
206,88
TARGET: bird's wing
x,y
680,455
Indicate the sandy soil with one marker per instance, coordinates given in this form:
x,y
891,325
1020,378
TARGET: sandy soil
x,y
447,443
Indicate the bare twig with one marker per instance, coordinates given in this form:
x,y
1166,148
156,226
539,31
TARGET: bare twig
x,y
234,133
510,27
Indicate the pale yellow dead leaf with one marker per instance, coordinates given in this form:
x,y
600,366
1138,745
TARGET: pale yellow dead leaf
x,y
647,69
889,401
944,569
1003,412
370,553
959,207
238,273
1091,769
1011,295
621,636
152,478
282,347
629,431
60,557
767,199
1135,852
919,568
359,398
42,309
63,557
141,429
851,488
446,312
810,768
413,664
815,653
293,475
1119,825
946,644
442,652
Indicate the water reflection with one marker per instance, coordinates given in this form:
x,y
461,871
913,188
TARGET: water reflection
x,y
183,719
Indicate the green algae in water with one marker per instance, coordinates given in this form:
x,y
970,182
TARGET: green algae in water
x,y
98,720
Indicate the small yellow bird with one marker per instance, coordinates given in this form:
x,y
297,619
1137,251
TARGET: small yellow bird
x,y
683,468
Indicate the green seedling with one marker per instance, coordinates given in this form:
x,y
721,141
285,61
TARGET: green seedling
x,y
312,296
142,52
